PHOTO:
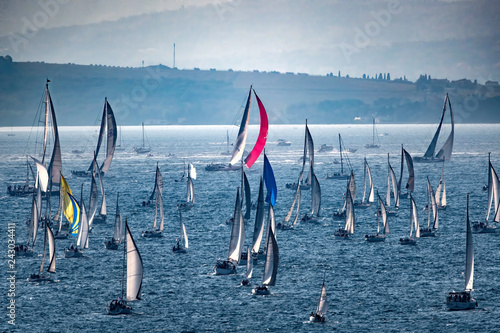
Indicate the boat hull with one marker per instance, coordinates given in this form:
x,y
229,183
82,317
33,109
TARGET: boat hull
x,y
375,238
407,241
483,228
456,301
111,245
337,176
316,318
24,252
118,308
222,167
39,278
151,234
185,206
261,290
422,159
73,253
225,267
427,233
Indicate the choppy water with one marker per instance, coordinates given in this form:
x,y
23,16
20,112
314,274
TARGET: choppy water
x,y
371,286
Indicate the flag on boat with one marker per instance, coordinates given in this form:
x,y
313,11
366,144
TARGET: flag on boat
x,y
75,221
272,190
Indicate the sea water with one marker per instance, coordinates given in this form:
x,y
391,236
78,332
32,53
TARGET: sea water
x,y
380,287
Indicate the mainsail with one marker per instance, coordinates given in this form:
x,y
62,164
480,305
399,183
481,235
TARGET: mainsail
x,y
237,232
469,254
134,268
272,258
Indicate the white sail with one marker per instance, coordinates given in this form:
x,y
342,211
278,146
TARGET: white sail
x,y
323,302
191,171
44,249
249,272
272,258
446,150
42,176
33,229
103,202
441,188
190,191
83,230
414,218
239,146
258,231
237,232
493,192
159,201
350,220
433,204
118,231
52,250
388,193
184,237
158,182
134,268
315,196
469,254
352,187
55,164
383,215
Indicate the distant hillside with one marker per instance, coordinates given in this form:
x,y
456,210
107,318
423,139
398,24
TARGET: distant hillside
x,y
162,95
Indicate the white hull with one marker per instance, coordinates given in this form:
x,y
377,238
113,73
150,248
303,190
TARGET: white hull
x,y
72,253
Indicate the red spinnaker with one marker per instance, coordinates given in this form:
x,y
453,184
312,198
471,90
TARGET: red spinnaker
x,y
261,140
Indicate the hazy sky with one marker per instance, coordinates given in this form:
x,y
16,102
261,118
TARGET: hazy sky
x,y
447,39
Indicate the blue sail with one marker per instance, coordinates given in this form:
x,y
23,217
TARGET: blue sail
x,y
272,190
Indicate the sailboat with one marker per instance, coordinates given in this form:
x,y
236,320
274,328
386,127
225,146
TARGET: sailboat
x,y
227,152
239,146
391,179
351,184
249,272
93,205
371,196
157,232
493,202
49,238
107,122
228,266
115,241
182,243
441,191
133,278
432,213
286,224
258,231
188,204
463,300
79,229
350,218
142,149
373,145
27,250
413,225
54,167
319,315
444,153
341,174
381,214
271,265
119,146
410,184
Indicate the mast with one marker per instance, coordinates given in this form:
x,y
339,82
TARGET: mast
x,y
124,253
341,159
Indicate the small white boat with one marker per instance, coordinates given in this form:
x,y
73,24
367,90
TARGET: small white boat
x,y
115,241
373,144
432,214
371,195
48,239
271,265
142,149
350,218
189,203
228,266
157,232
463,300
483,227
283,143
413,224
182,244
319,316
134,274
381,212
